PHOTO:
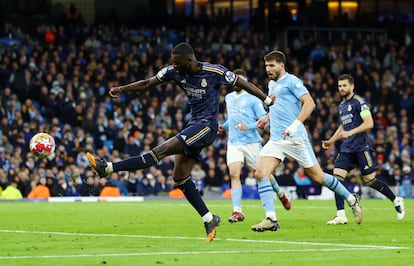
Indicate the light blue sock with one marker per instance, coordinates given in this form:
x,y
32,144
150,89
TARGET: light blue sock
x,y
275,186
266,194
236,195
333,184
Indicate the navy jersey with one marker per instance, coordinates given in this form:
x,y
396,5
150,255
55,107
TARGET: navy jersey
x,y
202,90
349,113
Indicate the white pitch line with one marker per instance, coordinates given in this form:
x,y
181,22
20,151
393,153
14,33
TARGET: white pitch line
x,y
348,246
182,253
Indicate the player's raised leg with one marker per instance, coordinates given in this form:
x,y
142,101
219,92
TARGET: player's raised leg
x,y
283,197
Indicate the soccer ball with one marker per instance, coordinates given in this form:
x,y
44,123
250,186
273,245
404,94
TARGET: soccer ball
x,y
42,145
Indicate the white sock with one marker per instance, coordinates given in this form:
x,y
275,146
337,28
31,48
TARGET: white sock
x,y
207,217
237,209
340,213
271,215
351,200
396,201
109,167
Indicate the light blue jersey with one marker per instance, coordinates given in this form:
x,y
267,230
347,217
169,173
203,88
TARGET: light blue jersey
x,y
247,109
286,109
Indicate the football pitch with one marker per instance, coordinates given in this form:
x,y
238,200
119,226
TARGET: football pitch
x,y
170,232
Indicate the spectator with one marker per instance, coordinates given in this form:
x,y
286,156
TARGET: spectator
x,y
109,189
11,192
88,187
302,183
40,190
353,185
115,179
406,189
147,187
71,190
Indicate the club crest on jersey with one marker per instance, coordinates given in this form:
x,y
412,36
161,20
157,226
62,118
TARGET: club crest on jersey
x,y
349,108
203,83
230,76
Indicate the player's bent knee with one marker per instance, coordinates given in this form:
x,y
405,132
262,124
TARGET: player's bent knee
x,y
259,175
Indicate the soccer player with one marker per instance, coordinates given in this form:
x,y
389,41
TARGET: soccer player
x,y
288,137
356,149
244,142
201,82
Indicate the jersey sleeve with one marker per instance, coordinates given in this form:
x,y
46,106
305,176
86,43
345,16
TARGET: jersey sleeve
x,y
364,109
165,74
298,88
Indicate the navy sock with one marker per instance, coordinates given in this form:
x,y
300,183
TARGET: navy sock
x,y
339,200
136,162
382,187
193,196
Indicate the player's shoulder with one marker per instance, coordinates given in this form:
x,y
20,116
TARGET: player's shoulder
x,y
293,78
214,68
359,99
230,95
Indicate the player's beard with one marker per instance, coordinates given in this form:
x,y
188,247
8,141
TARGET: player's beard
x,y
275,76
346,94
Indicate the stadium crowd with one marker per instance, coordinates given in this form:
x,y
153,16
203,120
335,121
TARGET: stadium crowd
x,y
56,80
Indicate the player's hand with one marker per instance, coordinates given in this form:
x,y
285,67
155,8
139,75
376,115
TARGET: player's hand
x,y
326,144
241,126
220,129
292,129
261,123
114,91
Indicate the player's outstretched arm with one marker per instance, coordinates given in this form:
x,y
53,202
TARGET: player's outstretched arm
x,y
252,89
139,85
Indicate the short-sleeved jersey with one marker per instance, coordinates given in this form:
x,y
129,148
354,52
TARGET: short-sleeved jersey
x,y
247,109
288,90
202,90
349,113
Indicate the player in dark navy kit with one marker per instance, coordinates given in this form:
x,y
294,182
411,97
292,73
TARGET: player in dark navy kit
x,y
356,149
201,82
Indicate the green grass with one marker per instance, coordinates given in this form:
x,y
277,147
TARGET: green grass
x,y
171,233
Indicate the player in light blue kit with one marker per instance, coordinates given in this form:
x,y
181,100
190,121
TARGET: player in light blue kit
x,y
244,142
288,137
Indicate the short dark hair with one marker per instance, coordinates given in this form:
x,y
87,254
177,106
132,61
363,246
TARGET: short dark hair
x,y
240,72
346,77
183,49
278,56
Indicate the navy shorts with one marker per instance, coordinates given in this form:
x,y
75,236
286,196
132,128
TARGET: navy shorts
x,y
363,160
195,138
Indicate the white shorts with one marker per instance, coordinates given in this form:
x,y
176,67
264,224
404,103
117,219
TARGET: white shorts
x,y
244,153
295,148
